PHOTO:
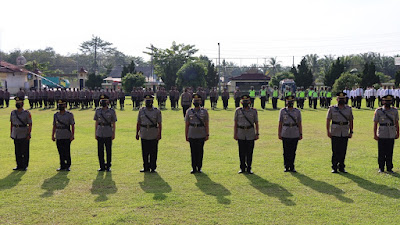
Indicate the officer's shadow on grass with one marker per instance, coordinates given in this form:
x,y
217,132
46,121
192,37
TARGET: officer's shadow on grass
x,y
103,185
209,187
271,189
153,183
57,182
322,187
372,187
11,180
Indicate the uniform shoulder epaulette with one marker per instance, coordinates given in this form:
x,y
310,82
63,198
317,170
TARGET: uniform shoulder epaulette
x,y
155,108
238,108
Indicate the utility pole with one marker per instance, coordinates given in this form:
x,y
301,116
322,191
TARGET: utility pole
x,y
293,62
219,65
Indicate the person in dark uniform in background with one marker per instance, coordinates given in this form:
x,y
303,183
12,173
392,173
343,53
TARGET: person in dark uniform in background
x,y
341,130
290,131
7,98
246,132
225,97
63,133
388,119
121,96
176,94
21,127
105,131
21,94
196,132
237,96
1,97
133,97
149,128
186,100
172,97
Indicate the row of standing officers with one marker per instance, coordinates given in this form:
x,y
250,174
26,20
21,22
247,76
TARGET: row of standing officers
x,y
339,127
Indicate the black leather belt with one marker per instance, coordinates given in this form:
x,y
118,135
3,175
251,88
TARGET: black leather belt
x,y
62,128
196,125
245,128
290,124
149,126
17,125
386,124
340,123
105,124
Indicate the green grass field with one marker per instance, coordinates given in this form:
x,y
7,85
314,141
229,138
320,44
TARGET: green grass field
x,y
218,196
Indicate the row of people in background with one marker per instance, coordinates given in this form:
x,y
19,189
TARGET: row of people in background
x,y
339,127
85,98
4,98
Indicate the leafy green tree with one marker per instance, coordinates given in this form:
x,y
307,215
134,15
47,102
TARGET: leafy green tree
x,y
192,74
281,76
397,78
346,80
369,77
211,75
383,78
131,68
94,80
304,76
336,69
94,47
131,80
274,65
168,61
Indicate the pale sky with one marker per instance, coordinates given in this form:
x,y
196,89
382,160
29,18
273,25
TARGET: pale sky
x,y
248,31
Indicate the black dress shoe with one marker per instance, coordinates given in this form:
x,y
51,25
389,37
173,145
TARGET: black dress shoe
x,y
381,171
240,171
67,169
108,169
144,170
153,171
200,171
16,168
342,170
101,169
193,171
293,170
23,169
390,171
334,171
286,170
250,172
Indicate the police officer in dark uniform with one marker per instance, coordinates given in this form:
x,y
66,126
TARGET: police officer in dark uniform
x,y
246,132
149,127
388,119
290,131
105,131
63,134
340,131
21,127
121,96
7,97
186,99
196,132
225,97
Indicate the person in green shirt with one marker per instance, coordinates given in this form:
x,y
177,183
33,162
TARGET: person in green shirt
x,y
328,97
252,94
275,96
263,96
310,94
301,98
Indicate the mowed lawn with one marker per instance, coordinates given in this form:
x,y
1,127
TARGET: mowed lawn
x,y
218,196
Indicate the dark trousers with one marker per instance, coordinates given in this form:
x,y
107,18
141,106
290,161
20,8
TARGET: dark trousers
x,y
133,102
310,102
274,102
213,102
172,99
45,102
252,101
225,103
237,102
246,148
184,109
385,153
122,103
64,150
339,149
358,99
7,102
1,102
315,100
149,154
289,151
372,102
328,102
197,151
397,102
22,152
263,98
101,142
